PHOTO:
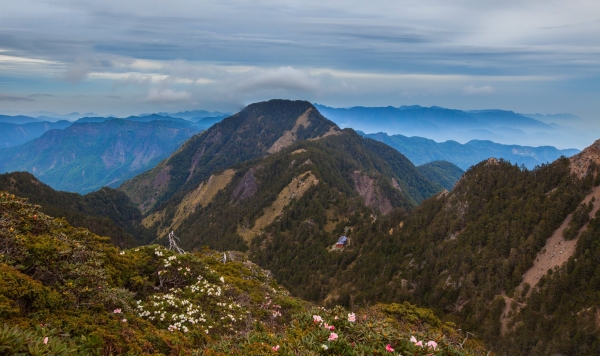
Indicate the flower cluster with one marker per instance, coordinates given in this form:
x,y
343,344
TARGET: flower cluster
x,y
273,309
430,344
196,302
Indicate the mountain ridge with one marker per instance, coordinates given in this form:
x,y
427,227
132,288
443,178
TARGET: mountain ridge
x,y
442,124
422,150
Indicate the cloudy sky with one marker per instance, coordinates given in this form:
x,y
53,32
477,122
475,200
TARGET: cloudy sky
x,y
132,56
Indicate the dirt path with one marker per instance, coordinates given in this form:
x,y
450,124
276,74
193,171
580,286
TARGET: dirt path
x,y
506,314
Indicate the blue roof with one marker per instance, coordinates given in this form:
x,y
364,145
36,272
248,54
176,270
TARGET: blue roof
x,y
342,240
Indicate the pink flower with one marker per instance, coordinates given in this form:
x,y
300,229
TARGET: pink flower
x,y
317,319
432,344
275,348
45,340
330,327
336,318
124,320
413,339
117,311
420,343
351,317
388,348
333,336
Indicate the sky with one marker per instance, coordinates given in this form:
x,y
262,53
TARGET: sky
x,y
129,57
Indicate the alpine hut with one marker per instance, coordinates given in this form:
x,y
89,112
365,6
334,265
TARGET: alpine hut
x,y
342,241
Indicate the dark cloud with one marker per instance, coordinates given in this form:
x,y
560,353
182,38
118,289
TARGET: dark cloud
x,y
42,96
14,98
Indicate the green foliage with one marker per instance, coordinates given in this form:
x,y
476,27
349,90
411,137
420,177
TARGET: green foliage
x,y
335,331
66,291
443,173
45,341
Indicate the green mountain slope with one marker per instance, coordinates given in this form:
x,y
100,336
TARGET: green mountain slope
x,y
323,181
67,291
257,130
87,156
443,173
508,254
106,212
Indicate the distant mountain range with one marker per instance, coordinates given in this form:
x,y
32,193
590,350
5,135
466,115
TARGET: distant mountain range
x,y
441,124
86,156
16,130
13,134
421,151
195,115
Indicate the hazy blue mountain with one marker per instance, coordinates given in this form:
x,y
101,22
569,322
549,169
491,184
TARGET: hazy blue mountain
x,y
443,173
195,115
207,122
89,155
18,119
422,150
16,134
441,124
556,118
140,118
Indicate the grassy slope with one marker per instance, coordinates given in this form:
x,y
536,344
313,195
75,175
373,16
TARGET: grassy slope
x,y
67,291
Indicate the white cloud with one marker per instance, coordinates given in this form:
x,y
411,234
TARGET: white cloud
x,y
486,89
283,78
165,95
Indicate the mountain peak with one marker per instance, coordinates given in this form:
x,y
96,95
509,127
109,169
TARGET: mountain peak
x,y
259,129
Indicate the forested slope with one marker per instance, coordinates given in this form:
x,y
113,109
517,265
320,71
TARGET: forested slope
x,y
106,212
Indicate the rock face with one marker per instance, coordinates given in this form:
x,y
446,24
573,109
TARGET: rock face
x,y
246,187
580,163
370,192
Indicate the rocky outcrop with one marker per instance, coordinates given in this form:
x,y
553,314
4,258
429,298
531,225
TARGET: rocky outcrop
x,y
366,187
580,163
246,187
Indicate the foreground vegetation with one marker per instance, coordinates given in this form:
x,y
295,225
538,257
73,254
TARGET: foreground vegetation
x,y
67,291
